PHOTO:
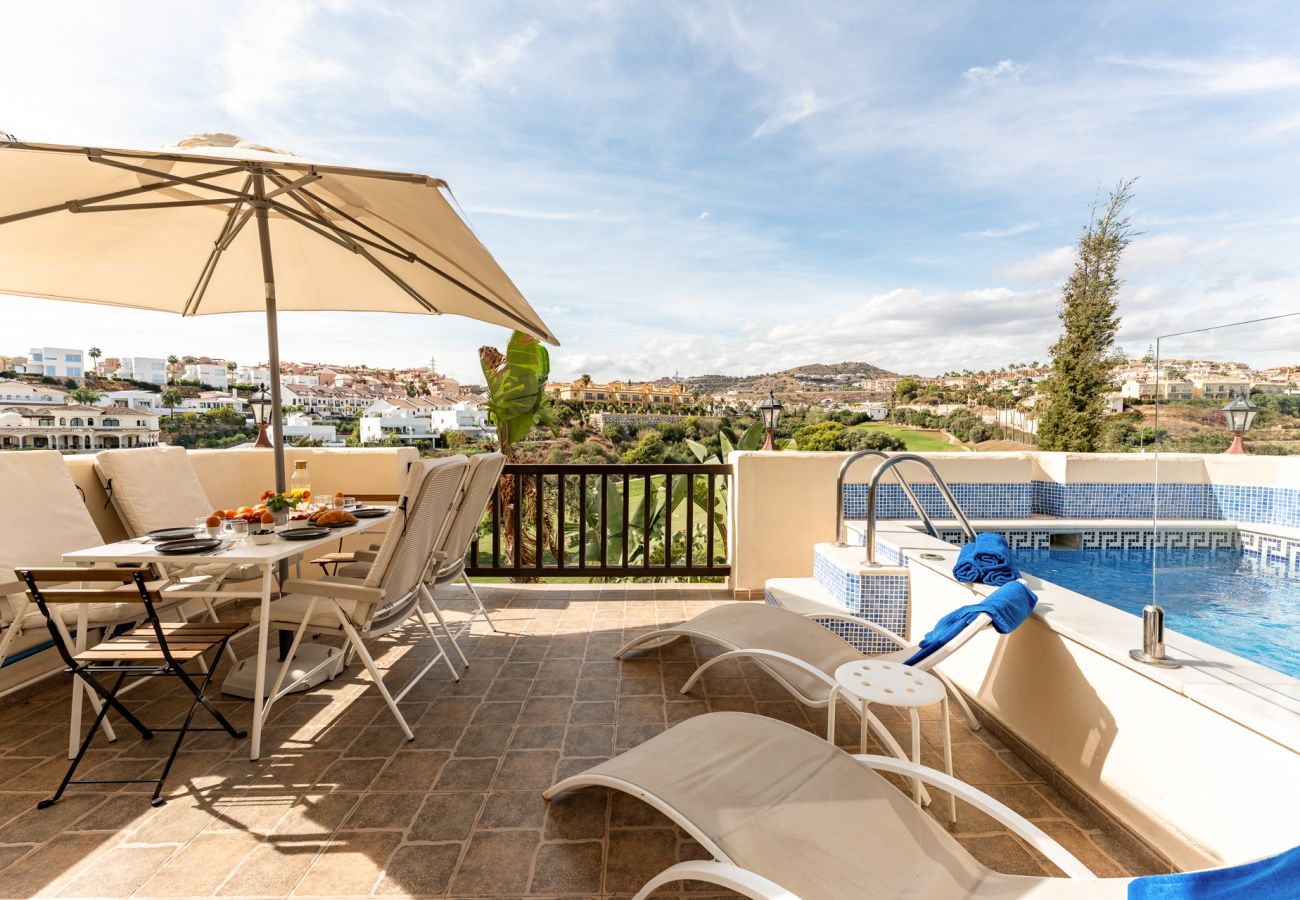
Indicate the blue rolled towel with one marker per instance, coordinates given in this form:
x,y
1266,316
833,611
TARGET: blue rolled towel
x,y
1008,606
1276,876
987,559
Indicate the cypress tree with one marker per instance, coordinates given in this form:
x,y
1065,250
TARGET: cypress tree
x,y
1082,356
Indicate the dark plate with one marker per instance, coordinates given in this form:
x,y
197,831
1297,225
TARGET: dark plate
x,y
189,545
304,534
171,534
339,525
370,512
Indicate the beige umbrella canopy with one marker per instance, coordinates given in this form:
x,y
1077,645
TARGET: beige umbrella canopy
x,y
218,225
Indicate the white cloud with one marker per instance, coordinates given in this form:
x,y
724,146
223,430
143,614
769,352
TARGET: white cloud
x,y
792,109
1052,265
1228,76
500,59
1005,70
1010,231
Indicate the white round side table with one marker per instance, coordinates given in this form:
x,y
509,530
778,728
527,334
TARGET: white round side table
x,y
894,684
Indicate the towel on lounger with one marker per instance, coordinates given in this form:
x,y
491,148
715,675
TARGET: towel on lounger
x,y
1008,606
1277,876
987,559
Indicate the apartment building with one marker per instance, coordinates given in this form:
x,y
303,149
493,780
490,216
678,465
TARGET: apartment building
x,y
214,375
20,392
149,369
56,362
643,393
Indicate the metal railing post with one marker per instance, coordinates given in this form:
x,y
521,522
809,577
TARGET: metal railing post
x,y
939,483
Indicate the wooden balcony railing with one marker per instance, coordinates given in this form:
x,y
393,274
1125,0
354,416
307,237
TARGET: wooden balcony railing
x,y
605,521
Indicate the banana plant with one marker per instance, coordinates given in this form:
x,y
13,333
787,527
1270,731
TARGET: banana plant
x,y
516,383
517,401
750,439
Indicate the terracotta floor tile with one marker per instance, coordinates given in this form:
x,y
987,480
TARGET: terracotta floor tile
x,y
411,770
48,865
200,866
391,812
446,817
568,868
118,873
419,870
634,857
350,865
496,863
513,809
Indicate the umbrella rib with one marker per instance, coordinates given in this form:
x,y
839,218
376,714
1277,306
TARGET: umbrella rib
x,y
162,204
198,181
340,235
114,195
306,202
229,229
286,185
414,257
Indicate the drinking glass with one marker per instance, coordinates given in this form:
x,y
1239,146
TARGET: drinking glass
x,y
238,530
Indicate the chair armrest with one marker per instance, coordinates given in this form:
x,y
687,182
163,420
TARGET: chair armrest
x,y
365,556
1031,833
335,589
726,875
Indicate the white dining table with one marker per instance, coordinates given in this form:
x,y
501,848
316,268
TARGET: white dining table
x,y
265,557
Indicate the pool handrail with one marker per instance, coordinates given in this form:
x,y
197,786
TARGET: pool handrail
x,y
884,467
902,482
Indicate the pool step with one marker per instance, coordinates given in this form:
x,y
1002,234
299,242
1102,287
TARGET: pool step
x,y
842,584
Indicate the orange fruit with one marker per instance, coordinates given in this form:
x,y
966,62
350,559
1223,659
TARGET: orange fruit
x,y
230,513
267,518
218,515
212,521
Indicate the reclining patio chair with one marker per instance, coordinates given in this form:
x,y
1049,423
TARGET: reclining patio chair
x,y
390,595
801,654
786,815
484,473
153,648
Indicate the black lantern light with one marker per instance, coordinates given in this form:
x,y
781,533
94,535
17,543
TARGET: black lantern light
x,y
1240,414
261,404
770,410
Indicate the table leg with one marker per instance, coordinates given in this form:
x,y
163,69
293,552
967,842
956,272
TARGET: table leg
x,y
947,754
866,718
916,752
263,633
830,715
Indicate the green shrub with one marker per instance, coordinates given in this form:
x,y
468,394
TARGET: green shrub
x,y
870,439
821,436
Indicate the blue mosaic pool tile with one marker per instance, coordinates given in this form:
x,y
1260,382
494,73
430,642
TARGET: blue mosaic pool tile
x,y
1120,538
1271,554
978,500
1089,500
860,637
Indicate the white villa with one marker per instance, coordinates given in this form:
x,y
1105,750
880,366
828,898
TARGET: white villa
x,y
31,394
144,368
76,427
421,419
213,375
56,362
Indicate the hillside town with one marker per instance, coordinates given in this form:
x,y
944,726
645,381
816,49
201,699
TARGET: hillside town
x,y
83,401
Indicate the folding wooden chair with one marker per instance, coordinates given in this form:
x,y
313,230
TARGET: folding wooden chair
x,y
151,648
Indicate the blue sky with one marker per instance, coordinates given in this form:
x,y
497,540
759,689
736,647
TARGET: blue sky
x,y
703,187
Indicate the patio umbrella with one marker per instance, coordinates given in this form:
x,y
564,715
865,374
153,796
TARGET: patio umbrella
x,y
169,230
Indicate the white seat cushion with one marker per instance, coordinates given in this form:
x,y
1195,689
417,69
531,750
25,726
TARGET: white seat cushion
x,y
49,517
290,609
153,487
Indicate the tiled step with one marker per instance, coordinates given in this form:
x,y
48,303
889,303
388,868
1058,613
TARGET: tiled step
x,y
806,597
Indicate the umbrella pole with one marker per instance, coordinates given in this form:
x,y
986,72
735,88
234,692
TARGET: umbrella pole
x,y
260,207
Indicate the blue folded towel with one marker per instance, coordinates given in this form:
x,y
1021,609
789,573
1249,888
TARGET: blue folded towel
x,y
1008,606
1277,876
988,559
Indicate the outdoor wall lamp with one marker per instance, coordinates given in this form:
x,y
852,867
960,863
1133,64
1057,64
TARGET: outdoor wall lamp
x,y
1240,414
261,404
770,410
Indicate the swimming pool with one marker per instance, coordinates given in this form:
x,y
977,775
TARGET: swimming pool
x,y
1216,596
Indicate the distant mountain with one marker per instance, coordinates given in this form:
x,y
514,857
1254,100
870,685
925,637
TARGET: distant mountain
x,y
800,378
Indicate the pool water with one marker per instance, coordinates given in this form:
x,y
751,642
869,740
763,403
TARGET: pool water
x,y
1215,596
